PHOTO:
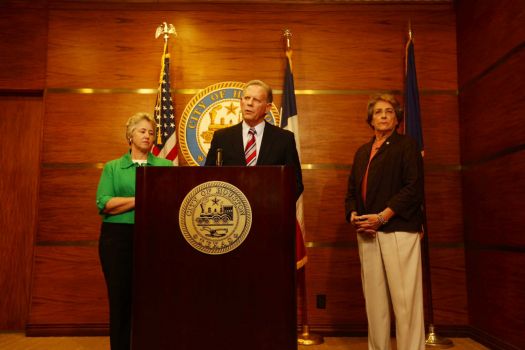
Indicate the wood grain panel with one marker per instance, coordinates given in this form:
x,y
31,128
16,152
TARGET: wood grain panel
x,y
493,192
346,47
67,209
20,127
89,128
444,207
324,211
496,294
333,127
491,64
337,275
487,31
449,286
492,111
221,45
68,287
440,124
91,131
23,34
324,206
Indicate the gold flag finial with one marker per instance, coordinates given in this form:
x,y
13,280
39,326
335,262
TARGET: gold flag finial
x,y
165,29
287,34
410,34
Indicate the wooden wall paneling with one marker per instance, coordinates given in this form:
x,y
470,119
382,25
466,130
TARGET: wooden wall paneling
x,y
486,32
491,111
89,128
350,48
335,273
67,209
222,45
496,294
324,215
440,124
490,67
23,34
443,197
20,127
68,289
332,127
493,192
449,286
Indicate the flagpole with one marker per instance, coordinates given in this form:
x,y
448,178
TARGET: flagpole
x,y
304,337
433,340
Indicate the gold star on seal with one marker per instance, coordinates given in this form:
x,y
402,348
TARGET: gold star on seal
x,y
232,109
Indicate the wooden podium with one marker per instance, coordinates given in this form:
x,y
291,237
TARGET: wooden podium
x,y
186,299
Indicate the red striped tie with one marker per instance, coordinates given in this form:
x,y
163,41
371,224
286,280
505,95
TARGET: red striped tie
x,y
250,151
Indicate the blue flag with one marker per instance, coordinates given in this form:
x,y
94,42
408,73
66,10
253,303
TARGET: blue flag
x,y
289,107
412,111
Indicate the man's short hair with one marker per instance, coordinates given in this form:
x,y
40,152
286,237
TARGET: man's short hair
x,y
266,87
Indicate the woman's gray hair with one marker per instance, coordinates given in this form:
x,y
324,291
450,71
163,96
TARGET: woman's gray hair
x,y
386,98
136,118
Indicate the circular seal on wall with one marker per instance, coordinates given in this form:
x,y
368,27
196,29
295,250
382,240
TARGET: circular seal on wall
x,y
215,107
215,217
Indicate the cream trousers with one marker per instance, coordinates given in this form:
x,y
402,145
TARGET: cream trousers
x,y
391,275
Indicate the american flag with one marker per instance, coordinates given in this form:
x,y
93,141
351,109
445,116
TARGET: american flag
x,y
166,137
289,121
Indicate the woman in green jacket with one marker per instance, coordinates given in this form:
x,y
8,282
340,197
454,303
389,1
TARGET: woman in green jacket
x,y
116,204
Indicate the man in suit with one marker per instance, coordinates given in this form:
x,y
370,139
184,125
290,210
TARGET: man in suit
x,y
254,141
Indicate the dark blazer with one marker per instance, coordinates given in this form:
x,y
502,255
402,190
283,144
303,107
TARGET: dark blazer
x,y
395,180
277,148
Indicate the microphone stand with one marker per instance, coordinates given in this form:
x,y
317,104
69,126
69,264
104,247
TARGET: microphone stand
x,y
218,160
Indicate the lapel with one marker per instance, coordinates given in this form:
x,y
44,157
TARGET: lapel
x,y
268,138
236,146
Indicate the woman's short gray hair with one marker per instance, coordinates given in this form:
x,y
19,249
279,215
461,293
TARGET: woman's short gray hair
x,y
136,118
386,98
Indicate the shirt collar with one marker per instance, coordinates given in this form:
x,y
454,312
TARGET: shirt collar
x,y
127,162
259,128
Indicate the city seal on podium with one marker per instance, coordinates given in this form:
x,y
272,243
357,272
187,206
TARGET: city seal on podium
x,y
215,107
215,217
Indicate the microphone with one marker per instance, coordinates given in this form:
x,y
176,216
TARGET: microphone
x,y
218,161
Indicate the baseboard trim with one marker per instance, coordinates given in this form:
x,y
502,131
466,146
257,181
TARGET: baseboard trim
x,y
447,331
361,330
490,341
67,330
349,330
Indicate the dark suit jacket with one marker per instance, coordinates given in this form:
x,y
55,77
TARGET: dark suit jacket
x,y
395,180
277,148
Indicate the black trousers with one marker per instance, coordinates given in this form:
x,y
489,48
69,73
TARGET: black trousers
x,y
116,256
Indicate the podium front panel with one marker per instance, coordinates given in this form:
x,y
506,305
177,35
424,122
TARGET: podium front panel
x,y
186,299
